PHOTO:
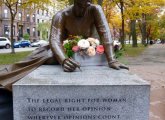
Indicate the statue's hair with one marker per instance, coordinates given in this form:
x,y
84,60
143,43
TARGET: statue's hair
x,y
81,0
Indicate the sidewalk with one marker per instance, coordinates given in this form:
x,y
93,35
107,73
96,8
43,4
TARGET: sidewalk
x,y
151,67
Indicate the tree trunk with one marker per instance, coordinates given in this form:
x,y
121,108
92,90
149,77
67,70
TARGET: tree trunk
x,y
122,31
12,35
144,33
133,33
100,2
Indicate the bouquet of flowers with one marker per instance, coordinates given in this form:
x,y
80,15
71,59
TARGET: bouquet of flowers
x,y
76,44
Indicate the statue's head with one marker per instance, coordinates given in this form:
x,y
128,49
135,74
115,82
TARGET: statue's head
x,y
80,7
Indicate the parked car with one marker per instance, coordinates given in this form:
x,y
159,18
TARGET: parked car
x,y
128,41
39,43
22,43
158,41
5,42
17,44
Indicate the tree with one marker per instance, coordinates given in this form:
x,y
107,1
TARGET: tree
x,y
120,4
162,27
112,17
100,2
44,29
26,36
14,5
140,10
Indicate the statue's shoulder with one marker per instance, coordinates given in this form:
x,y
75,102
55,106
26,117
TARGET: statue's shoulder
x,y
94,7
64,12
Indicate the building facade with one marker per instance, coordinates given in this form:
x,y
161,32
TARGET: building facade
x,y
25,22
43,16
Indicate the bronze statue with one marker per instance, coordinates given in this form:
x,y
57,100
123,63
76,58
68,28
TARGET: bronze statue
x,y
82,18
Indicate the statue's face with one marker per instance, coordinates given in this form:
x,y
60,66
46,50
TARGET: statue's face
x,y
81,6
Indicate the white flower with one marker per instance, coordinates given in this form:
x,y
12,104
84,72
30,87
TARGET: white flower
x,y
65,42
97,42
94,42
91,51
83,44
91,39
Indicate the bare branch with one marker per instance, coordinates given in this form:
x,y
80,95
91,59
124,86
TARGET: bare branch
x,y
16,3
7,3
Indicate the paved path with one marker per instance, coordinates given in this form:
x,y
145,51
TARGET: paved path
x,y
151,67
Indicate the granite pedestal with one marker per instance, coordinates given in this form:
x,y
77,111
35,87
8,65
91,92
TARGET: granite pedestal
x,y
96,93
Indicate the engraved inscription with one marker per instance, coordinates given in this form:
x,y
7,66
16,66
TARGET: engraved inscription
x,y
73,108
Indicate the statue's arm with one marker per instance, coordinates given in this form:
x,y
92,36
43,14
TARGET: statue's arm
x,y
104,32
105,35
57,37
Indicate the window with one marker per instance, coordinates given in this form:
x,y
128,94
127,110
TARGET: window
x,y
5,13
28,17
47,13
20,30
38,20
33,17
42,12
2,39
19,16
28,30
19,2
34,31
14,30
38,11
6,29
38,33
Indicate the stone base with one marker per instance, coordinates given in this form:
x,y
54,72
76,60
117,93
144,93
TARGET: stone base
x,y
96,93
6,106
97,60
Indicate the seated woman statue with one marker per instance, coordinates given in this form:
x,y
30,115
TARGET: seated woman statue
x,y
80,19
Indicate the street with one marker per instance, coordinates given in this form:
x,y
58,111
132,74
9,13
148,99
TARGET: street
x,y
151,67
17,50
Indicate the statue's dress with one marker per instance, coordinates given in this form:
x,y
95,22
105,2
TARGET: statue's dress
x,y
64,23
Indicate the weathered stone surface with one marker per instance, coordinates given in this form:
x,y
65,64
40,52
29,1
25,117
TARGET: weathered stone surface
x,y
97,93
86,60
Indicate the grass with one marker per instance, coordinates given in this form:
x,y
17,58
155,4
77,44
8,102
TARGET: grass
x,y
9,58
133,52
129,51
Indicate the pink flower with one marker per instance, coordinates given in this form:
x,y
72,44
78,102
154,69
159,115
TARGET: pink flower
x,y
100,49
76,48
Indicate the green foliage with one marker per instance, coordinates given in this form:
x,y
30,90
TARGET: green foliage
x,y
61,4
162,21
133,52
162,27
71,42
129,51
44,28
162,35
26,36
118,53
9,58
71,2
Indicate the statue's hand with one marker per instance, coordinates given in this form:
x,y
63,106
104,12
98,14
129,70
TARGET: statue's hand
x,y
117,65
69,65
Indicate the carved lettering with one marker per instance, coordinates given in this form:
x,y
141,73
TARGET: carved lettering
x,y
74,108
